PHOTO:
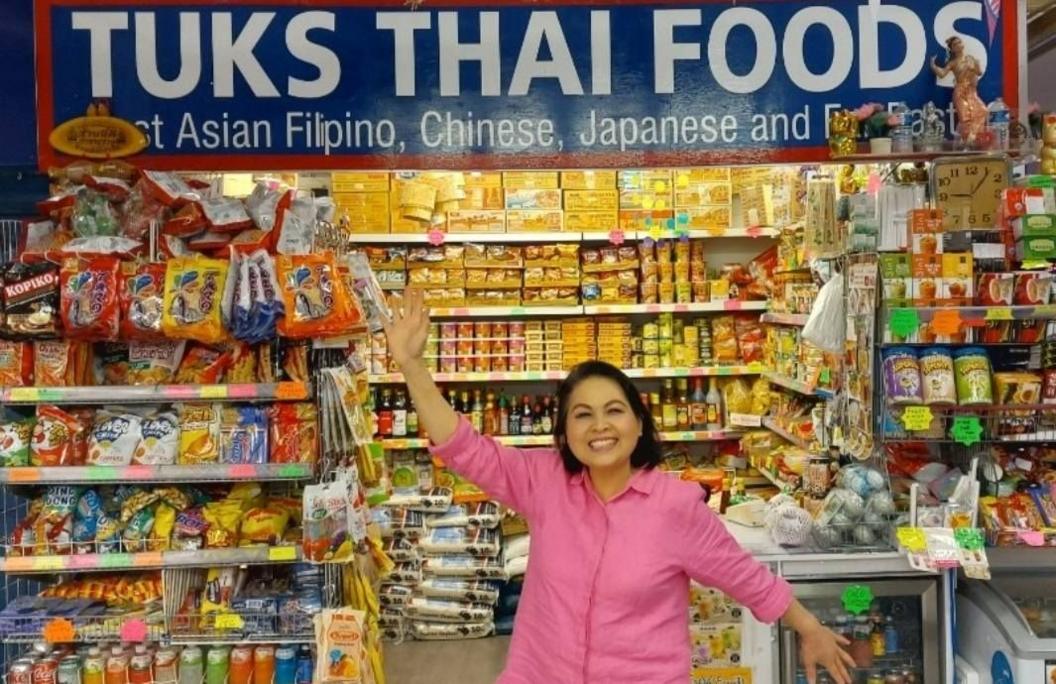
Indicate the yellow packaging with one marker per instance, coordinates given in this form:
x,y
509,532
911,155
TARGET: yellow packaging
x,y
588,180
647,220
957,265
339,633
533,199
590,221
476,221
704,218
199,434
359,181
592,200
194,289
645,199
683,178
397,222
653,180
703,193
534,221
530,180
363,212
483,179
483,198
757,205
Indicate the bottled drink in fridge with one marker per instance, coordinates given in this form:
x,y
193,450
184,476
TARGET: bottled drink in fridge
x,y
166,662
285,665
217,665
305,666
141,666
263,665
69,670
117,666
94,667
192,665
999,121
240,667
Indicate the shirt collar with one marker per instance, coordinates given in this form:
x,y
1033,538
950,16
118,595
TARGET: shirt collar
x,y
641,481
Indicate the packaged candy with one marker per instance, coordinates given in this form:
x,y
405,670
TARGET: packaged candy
x,y
314,296
262,206
59,502
115,189
202,365
160,442
54,437
16,363
102,245
295,225
243,434
134,499
141,302
30,301
225,214
140,210
164,522
192,301
93,215
113,438
294,435
16,431
154,363
368,293
199,434
175,497
107,534
137,530
89,298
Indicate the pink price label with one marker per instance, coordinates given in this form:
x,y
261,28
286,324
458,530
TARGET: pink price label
x,y
754,231
1031,537
732,305
179,392
241,471
242,391
616,236
138,472
134,631
436,237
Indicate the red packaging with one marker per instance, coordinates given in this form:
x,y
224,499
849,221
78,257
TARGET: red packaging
x,y
186,222
995,289
21,672
1032,288
89,299
54,437
16,363
141,302
44,670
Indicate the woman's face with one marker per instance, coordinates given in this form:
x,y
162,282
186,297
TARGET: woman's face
x,y
601,429
956,47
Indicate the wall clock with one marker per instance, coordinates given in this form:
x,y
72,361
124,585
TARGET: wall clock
x,y
968,190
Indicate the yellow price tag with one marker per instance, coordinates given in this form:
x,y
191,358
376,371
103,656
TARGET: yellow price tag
x,y
912,539
998,313
917,418
49,563
214,392
229,621
282,553
25,394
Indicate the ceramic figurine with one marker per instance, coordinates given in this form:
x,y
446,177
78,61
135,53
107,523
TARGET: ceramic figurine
x,y
843,133
971,110
934,130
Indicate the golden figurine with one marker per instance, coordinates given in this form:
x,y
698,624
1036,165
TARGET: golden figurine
x,y
971,110
843,133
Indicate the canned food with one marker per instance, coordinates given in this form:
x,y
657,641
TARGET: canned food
x,y
448,331
483,329
465,330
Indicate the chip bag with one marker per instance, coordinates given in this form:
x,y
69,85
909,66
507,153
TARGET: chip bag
x,y
314,297
53,363
294,434
199,434
16,363
54,437
113,438
160,442
154,363
243,434
192,303
142,297
202,365
16,431
264,525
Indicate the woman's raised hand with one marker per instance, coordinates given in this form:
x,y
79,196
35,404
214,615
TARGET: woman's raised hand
x,y
408,329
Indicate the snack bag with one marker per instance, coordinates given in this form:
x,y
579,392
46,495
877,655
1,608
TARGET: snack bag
x,y
154,363
140,210
110,363
264,525
202,365
141,302
113,438
295,223
167,188
160,442
30,301
294,434
225,214
314,296
16,363
340,635
93,215
243,434
54,437
192,302
16,431
89,298
53,362
199,434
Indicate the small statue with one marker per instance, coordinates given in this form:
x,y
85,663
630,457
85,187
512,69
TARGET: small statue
x,y
934,130
843,133
971,110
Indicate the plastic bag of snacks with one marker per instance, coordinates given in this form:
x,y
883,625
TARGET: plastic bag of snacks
x,y
141,302
93,215
154,363
368,293
55,438
16,431
89,299
294,433
316,301
61,363
113,438
243,434
192,303
30,301
160,442
200,434
110,363
202,365
340,635
16,363
140,210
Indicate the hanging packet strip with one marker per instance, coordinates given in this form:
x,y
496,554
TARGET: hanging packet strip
x,y
194,288
142,297
89,298
314,297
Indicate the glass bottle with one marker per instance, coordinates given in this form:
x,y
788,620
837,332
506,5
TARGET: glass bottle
x,y
682,404
514,426
491,426
714,406
537,418
547,417
504,415
385,414
698,406
656,409
399,414
670,410
476,413
412,419
526,415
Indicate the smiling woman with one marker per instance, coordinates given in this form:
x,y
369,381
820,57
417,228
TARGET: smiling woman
x,y
615,542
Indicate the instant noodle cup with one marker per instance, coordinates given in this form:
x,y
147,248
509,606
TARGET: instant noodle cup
x,y
971,367
1032,288
996,289
937,377
89,298
192,303
902,376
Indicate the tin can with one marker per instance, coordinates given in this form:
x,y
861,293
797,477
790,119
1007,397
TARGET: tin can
x,y
817,478
20,672
482,330
448,331
45,670
972,373
465,330
69,670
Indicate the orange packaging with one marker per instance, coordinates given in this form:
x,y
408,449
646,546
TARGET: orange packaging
x,y
241,668
926,265
16,363
89,298
315,297
925,221
263,664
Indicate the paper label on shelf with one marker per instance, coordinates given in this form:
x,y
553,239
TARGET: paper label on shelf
x,y
115,560
288,391
917,418
105,473
857,598
25,394
732,305
903,322
1031,537
241,471
294,470
22,474
754,231
616,236
146,559
58,631
946,322
746,420
912,539
282,553
179,392
966,430
721,675
44,563
134,630
229,621
213,392
998,313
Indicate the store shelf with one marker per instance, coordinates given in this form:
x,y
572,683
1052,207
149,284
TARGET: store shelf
x,y
206,472
977,316
504,311
784,318
141,394
403,238
773,479
242,628
150,560
532,376
548,440
696,307
755,232
1025,558
700,436
86,629
797,386
772,425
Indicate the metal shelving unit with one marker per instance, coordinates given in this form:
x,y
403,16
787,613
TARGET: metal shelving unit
x,y
114,559
535,376
154,394
204,472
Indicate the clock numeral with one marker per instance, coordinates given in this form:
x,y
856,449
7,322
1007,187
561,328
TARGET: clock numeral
x,y
954,173
988,220
972,171
971,220
943,197
944,181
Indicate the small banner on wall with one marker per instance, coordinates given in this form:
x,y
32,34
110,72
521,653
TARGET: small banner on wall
x,y
346,84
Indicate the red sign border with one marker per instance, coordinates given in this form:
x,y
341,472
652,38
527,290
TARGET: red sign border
x,y
47,157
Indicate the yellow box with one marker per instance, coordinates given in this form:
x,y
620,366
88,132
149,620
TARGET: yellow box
x,y
645,199
588,180
534,221
359,181
654,180
703,193
483,179
483,198
590,221
474,221
530,180
957,265
646,220
361,202
533,199
365,223
704,218
592,200
700,174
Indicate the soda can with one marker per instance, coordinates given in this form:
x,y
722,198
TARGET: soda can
x,y
45,670
21,672
69,670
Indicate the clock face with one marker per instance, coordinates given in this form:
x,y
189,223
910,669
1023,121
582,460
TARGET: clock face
x,y
969,190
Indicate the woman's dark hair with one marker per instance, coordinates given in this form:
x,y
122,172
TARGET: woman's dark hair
x,y
646,453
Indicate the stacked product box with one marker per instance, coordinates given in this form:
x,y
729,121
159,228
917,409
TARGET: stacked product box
x,y
615,342
543,346
646,200
937,277
591,200
702,199
494,274
533,201
1030,213
551,274
579,337
610,274
361,200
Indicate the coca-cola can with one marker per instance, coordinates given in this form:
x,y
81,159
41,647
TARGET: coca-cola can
x,y
45,669
20,672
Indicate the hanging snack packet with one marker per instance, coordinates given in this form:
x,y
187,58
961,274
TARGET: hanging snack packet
x,y
52,362
154,363
110,363
225,214
16,431
314,296
137,530
192,303
140,210
295,225
199,434
89,298
16,363
339,633
202,365
167,188
30,301
54,437
141,302
92,215
113,438
160,442
367,291
243,434
262,206
294,433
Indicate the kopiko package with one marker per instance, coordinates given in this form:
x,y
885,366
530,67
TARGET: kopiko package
x,y
194,288
89,298
315,298
16,363
142,296
30,301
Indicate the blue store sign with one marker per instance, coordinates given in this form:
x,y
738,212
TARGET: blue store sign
x,y
341,84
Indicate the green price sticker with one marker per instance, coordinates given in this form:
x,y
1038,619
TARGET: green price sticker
x,y
294,470
857,598
903,322
966,430
825,376
969,538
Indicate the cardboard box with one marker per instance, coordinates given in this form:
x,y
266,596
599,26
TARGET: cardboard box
x,y
957,265
533,199
534,221
926,265
703,193
530,180
363,212
590,221
1036,247
359,181
925,221
957,291
645,200
654,180
894,266
483,198
897,291
476,221
926,244
1034,225
926,291
703,218
645,220
588,180
592,200
483,179
701,174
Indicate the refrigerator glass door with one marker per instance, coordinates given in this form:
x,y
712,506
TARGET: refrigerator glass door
x,y
897,639
1034,599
